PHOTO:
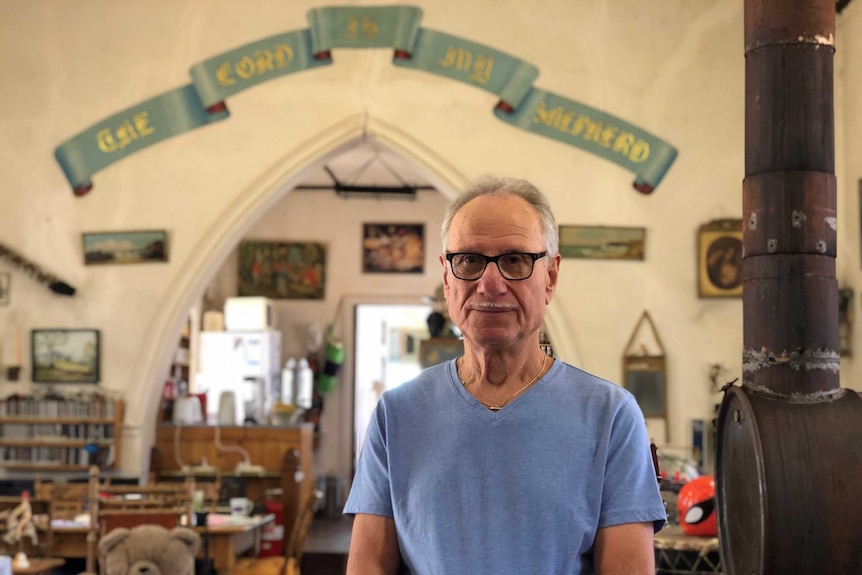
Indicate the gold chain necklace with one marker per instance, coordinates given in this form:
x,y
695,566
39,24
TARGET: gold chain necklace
x,y
494,407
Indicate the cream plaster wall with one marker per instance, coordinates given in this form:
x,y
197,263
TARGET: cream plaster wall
x,y
672,67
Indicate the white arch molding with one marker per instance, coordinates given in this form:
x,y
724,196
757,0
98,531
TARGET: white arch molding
x,y
229,228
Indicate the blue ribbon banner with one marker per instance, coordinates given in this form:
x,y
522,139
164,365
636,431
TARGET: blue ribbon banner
x,y
203,101
604,135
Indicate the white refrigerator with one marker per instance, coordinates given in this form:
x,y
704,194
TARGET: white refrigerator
x,y
246,363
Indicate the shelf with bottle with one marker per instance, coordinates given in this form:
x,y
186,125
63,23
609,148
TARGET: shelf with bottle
x,y
60,433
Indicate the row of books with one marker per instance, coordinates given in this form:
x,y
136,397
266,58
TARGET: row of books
x,y
27,406
53,431
53,456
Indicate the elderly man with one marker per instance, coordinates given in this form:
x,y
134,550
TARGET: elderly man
x,y
504,460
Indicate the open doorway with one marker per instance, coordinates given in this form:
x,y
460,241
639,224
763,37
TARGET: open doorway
x,y
386,340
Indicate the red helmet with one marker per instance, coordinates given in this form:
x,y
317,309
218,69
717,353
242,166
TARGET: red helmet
x,y
695,507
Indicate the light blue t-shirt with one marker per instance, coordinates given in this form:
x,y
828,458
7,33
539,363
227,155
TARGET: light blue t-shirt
x,y
520,491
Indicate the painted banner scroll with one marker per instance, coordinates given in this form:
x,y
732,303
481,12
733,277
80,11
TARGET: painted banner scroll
x,y
520,104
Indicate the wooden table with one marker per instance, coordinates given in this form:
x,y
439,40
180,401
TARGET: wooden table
x,y
228,537
326,547
39,566
232,539
678,553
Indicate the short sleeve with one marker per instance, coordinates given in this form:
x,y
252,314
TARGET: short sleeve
x,y
371,492
631,492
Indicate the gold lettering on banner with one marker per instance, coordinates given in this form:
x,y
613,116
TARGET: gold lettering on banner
x,y
569,122
245,68
111,140
368,29
259,63
223,74
283,55
263,59
482,69
478,68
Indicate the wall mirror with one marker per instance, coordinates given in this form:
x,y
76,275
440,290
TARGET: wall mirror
x,y
645,371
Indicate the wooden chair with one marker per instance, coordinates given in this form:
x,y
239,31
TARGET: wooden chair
x,y
288,564
167,517
68,500
37,540
113,506
150,496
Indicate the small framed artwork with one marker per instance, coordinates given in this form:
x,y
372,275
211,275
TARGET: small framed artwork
x,y
282,270
719,259
5,288
602,242
125,247
393,248
439,349
65,355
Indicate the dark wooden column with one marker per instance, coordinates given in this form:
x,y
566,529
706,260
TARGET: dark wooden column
x,y
790,439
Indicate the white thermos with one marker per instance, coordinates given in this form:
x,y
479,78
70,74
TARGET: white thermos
x,y
304,384
287,381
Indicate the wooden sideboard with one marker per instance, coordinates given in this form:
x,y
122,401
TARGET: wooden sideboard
x,y
220,448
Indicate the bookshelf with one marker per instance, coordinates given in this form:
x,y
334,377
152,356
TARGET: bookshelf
x,y
60,434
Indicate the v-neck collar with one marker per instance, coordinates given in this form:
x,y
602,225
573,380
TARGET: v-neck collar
x,y
476,406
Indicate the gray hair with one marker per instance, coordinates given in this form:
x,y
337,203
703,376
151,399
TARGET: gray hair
x,y
508,187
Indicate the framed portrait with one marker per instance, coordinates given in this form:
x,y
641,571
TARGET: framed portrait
x,y
282,270
393,248
602,242
5,288
719,259
125,247
65,355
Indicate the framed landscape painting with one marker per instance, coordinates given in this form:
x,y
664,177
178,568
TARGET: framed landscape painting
x,y
125,247
65,355
602,242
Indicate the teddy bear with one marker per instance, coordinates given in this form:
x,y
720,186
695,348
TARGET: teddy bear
x,y
150,549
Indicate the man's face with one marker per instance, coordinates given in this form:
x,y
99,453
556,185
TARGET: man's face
x,y
493,312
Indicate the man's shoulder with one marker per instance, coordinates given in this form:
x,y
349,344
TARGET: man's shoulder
x,y
427,380
577,379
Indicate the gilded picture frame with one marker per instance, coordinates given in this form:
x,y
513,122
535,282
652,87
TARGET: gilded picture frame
x,y
65,355
719,259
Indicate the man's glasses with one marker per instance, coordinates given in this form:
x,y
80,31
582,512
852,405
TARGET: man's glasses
x,y
513,266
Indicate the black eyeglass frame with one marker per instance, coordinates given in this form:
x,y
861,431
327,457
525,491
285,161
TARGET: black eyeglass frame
x,y
495,259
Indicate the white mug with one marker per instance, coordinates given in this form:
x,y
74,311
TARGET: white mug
x,y
241,506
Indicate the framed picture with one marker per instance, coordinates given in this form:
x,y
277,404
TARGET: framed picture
x,y
719,259
602,242
65,355
282,270
125,247
393,248
5,288
439,349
